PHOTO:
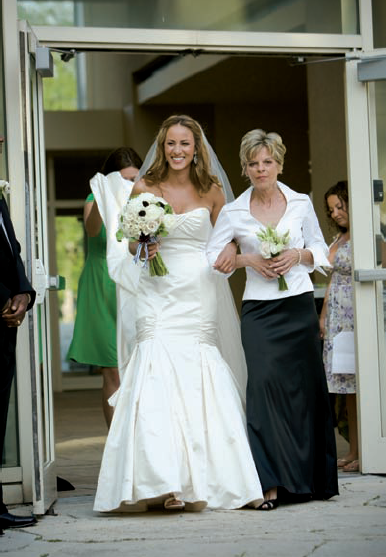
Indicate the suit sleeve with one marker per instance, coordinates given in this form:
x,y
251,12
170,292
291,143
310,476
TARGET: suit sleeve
x,y
24,286
5,294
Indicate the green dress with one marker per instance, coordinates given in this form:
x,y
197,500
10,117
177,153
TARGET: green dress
x,y
94,338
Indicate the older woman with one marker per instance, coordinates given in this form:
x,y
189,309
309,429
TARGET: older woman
x,y
288,413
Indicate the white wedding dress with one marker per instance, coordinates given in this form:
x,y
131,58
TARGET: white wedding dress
x,y
179,421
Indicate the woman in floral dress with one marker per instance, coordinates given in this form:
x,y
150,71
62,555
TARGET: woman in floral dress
x,y
337,314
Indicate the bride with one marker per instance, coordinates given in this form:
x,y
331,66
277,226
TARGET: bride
x,y
178,434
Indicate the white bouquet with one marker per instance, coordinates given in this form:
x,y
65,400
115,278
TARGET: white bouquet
x,y
272,244
4,188
145,217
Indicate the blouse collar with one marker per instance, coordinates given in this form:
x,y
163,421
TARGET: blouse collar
x,y
242,203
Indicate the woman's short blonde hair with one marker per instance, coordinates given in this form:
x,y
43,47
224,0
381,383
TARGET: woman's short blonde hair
x,y
255,140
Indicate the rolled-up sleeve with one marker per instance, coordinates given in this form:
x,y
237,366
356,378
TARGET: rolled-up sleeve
x,y
314,241
222,234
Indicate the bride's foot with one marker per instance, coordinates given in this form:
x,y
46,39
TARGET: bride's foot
x,y
173,504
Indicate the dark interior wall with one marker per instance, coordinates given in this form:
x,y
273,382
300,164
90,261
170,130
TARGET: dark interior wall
x,y
73,171
290,121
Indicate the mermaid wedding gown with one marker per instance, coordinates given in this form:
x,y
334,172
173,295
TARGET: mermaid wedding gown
x,y
179,421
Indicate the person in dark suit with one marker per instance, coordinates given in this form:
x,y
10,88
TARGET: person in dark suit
x,y
16,297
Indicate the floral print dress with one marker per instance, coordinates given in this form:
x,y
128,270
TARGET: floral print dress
x,y
339,317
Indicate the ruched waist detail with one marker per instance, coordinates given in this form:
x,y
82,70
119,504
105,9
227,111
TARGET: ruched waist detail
x,y
150,329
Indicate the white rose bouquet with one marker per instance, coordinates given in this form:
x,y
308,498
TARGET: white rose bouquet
x,y
145,217
4,188
272,244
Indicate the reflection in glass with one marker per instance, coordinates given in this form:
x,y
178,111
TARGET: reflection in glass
x,y
379,23
11,455
61,93
380,96
70,246
295,16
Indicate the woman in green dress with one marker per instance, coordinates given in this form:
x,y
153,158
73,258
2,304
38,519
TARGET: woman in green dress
x,y
94,337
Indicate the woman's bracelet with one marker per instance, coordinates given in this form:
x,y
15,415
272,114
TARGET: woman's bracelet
x,y
299,256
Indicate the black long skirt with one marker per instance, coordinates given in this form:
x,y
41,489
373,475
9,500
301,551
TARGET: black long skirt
x,y
289,418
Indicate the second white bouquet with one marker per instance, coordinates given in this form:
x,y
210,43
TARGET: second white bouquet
x,y
145,218
272,244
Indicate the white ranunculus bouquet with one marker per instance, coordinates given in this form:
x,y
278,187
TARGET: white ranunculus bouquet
x,y
4,188
146,217
272,244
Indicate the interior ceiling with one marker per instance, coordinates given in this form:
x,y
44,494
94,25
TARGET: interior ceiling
x,y
241,80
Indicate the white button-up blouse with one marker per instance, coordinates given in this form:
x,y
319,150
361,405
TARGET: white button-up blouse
x,y
235,222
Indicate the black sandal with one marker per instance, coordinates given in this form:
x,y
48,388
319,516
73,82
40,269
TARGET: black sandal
x,y
268,505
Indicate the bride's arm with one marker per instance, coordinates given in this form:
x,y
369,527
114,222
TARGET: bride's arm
x,y
222,236
138,188
226,260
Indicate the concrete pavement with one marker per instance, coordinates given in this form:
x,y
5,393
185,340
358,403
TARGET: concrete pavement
x,y
352,525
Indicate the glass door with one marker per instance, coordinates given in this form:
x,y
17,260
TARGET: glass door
x,y
44,476
366,133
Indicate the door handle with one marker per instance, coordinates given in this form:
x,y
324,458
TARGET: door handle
x,y
43,282
369,275
56,282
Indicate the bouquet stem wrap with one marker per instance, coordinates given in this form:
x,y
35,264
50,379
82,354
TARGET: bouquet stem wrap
x,y
157,267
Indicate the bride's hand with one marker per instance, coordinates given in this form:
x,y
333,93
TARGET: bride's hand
x,y
226,261
151,249
262,266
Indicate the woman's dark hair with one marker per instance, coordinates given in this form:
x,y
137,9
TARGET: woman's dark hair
x,y
340,189
120,158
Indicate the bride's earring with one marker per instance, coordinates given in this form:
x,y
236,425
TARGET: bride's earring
x,y
195,158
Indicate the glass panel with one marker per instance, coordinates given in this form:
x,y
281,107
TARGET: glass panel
x,y
379,23
296,16
11,442
70,248
3,147
36,176
61,93
10,455
380,95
